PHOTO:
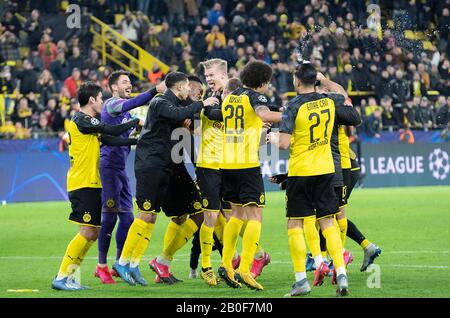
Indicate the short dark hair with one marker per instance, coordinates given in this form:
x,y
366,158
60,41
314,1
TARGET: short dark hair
x,y
86,90
306,73
114,77
255,74
233,84
193,78
175,77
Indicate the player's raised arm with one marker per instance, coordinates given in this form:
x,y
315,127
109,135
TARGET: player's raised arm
x,y
117,141
331,86
120,85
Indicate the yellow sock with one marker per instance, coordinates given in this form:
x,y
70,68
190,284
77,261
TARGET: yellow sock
x,y
71,258
365,243
334,246
343,224
134,234
219,227
297,247
249,244
312,235
230,235
142,245
83,253
171,231
184,234
206,244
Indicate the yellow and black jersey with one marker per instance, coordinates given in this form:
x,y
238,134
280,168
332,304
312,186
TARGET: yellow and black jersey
x,y
344,148
84,152
242,129
210,149
311,119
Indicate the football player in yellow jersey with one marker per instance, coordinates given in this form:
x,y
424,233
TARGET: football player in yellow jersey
x,y
351,172
83,178
209,176
244,111
309,127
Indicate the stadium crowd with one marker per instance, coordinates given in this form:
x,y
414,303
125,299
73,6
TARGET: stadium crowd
x,y
406,80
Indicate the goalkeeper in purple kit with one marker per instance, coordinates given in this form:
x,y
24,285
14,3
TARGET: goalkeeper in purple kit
x,y
116,194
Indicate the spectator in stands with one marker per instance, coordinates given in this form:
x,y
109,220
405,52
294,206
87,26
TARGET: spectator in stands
x,y
21,132
23,113
61,119
75,61
47,50
175,10
165,39
129,26
382,86
73,82
42,129
418,89
93,62
374,124
400,94
214,35
46,87
443,27
28,78
387,115
424,115
34,28
151,43
60,69
9,47
198,44
37,62
409,112
215,13
12,23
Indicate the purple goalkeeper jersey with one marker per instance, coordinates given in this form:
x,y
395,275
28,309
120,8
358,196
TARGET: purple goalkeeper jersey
x,y
117,111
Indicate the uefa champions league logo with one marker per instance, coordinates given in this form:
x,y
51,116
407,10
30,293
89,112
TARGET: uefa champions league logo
x,y
439,164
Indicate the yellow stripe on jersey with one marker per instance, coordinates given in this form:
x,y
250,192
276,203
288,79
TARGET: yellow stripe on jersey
x,y
344,148
310,152
84,153
210,150
242,133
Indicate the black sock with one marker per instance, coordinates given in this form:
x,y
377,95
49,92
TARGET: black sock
x,y
354,233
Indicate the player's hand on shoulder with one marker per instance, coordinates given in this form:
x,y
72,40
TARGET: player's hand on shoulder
x,y
210,101
267,125
161,87
187,123
320,76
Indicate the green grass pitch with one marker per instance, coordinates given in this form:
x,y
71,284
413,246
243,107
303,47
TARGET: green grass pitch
x,y
411,225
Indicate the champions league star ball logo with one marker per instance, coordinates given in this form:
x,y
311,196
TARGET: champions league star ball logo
x,y
439,164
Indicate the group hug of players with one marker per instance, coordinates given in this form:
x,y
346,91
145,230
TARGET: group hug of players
x,y
227,199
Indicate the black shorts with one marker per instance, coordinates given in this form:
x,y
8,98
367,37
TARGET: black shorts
x,y
210,183
151,188
312,195
243,186
86,206
183,194
352,177
341,194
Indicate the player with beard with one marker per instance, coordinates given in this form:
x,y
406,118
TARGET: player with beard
x,y
116,194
